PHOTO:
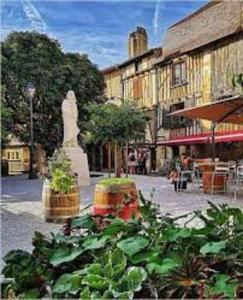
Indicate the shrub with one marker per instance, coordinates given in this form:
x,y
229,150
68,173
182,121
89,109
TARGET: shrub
x,y
61,176
152,257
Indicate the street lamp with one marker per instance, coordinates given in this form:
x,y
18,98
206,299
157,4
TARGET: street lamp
x,y
30,92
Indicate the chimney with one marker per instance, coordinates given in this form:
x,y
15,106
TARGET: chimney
x,y
137,42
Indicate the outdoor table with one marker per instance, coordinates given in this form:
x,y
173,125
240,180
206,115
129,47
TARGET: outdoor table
x,y
207,169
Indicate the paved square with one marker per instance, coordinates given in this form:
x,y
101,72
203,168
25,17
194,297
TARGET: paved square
x,y
21,211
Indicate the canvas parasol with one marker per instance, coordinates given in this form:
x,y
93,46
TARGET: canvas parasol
x,y
229,110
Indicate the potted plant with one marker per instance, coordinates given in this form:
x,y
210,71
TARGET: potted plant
x,y
60,193
116,196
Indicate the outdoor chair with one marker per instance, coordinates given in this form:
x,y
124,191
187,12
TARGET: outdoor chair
x,y
196,177
235,184
232,168
183,175
221,173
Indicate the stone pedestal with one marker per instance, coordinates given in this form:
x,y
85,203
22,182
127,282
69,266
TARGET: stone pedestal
x,y
79,164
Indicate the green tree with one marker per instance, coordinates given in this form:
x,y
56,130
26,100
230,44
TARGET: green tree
x,y
6,119
30,56
116,126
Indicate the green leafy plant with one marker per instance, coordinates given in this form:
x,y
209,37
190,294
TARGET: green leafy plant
x,y
61,182
109,277
61,177
153,257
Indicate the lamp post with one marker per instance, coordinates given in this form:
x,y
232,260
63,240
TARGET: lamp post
x,y
30,92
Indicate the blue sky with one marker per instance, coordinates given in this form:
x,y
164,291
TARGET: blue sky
x,y
98,28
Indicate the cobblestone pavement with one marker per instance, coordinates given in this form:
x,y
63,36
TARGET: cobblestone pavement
x,y
21,212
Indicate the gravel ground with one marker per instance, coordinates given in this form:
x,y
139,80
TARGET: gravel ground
x,y
21,212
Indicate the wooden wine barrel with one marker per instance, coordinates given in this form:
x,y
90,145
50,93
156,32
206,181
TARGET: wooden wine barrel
x,y
56,206
116,196
207,182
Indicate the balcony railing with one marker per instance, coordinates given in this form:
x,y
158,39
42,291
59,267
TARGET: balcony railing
x,y
171,122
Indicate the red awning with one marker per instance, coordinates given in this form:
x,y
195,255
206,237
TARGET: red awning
x,y
204,138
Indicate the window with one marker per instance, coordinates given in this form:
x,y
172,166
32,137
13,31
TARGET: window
x,y
8,155
179,73
138,66
17,155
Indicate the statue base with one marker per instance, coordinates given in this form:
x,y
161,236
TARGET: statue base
x,y
79,164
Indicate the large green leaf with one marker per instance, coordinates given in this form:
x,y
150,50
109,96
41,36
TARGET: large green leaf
x,y
85,294
84,222
61,238
30,294
213,247
65,254
116,226
148,256
96,282
172,234
63,284
133,245
94,242
165,267
68,283
224,285
95,269
136,275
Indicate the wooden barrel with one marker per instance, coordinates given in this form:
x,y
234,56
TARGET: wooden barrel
x,y
56,206
218,183
117,196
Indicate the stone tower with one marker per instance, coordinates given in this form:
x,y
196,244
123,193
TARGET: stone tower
x,y
137,42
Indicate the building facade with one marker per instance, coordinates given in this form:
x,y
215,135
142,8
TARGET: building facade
x,y
134,80
196,64
201,53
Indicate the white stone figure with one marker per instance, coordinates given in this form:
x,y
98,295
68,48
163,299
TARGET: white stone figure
x,y
70,118
79,160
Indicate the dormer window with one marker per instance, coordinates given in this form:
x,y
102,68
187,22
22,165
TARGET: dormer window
x,y
138,66
179,73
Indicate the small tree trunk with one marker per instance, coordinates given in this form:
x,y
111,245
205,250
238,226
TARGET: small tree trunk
x,y
109,159
126,158
117,161
93,158
101,158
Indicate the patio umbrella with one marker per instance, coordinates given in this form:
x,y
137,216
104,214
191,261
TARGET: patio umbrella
x,y
229,110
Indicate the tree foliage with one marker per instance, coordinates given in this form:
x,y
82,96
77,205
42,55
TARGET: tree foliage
x,y
119,124
5,120
33,57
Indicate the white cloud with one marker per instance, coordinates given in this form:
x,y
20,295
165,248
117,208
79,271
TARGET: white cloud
x,y
104,49
33,15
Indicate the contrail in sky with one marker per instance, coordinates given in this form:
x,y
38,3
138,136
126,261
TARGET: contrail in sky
x,y
156,16
34,16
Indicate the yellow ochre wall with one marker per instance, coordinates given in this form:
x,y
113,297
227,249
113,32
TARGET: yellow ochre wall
x,y
209,75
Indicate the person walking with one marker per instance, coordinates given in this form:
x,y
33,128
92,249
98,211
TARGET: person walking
x,y
132,162
144,158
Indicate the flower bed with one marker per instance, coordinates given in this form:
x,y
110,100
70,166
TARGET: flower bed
x,y
151,257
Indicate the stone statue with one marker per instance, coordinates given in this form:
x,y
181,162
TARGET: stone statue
x,y
79,160
70,118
